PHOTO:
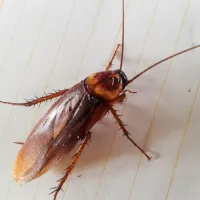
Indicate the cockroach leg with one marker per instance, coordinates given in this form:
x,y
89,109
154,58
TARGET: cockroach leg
x,y
72,165
126,133
120,99
123,98
111,61
37,100
21,143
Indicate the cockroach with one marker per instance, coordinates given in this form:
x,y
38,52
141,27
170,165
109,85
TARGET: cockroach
x,y
70,119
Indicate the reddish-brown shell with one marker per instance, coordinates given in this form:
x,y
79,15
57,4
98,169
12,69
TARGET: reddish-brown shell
x,y
57,133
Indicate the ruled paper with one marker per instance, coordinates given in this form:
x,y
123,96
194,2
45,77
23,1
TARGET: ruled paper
x,y
48,45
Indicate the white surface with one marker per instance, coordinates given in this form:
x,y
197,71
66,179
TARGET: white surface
x,y
46,45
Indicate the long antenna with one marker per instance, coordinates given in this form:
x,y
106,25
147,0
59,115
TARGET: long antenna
x,y
161,61
122,53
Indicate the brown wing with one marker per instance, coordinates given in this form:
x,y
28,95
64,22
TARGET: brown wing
x,y
61,128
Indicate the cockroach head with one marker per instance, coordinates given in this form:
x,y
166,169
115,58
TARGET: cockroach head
x,y
107,84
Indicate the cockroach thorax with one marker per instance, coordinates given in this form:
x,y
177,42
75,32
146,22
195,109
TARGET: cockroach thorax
x,y
107,84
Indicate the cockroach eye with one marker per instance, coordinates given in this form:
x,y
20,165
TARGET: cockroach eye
x,y
123,78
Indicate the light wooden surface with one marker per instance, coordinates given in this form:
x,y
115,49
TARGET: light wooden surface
x,y
46,45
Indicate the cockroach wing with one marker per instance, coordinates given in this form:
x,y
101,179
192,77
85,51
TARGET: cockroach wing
x,y
57,132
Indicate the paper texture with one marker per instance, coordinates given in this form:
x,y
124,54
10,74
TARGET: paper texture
x,y
47,45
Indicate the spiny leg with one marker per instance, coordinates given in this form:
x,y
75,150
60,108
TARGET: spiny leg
x,y
126,133
37,100
120,99
111,61
72,165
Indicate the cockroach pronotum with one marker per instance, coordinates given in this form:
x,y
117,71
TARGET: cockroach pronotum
x,y
70,119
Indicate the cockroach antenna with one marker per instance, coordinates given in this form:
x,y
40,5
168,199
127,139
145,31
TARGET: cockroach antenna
x,y
68,121
161,61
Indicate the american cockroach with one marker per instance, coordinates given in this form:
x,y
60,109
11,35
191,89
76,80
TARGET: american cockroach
x,y
70,119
